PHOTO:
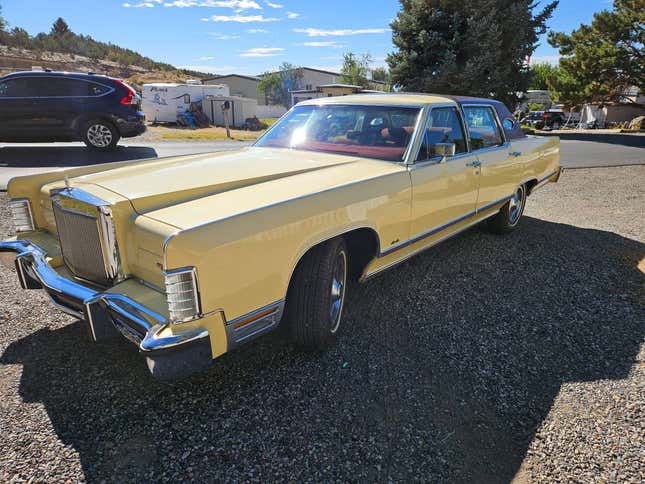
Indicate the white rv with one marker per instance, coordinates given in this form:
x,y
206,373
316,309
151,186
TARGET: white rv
x,y
163,102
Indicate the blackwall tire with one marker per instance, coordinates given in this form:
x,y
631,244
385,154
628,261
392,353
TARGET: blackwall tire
x,y
316,296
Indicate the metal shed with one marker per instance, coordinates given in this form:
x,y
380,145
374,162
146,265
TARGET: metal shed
x,y
241,109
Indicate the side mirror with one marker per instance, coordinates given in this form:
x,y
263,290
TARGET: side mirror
x,y
445,150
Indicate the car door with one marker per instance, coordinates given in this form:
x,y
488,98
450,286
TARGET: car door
x,y
60,101
499,167
18,110
444,188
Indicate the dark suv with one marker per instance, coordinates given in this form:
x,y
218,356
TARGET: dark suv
x,y
62,106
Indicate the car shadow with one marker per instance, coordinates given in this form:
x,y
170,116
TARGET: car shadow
x,y
611,138
447,366
55,156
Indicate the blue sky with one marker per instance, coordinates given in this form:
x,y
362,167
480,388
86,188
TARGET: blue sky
x,y
247,36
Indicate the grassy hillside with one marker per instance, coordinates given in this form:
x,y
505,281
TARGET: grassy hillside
x,y
62,49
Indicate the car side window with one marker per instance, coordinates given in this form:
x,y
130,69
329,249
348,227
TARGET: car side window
x,y
61,87
484,131
443,126
23,87
97,89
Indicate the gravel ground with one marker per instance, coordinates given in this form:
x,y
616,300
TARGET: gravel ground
x,y
485,359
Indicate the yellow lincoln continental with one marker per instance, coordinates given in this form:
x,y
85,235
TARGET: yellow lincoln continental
x,y
192,256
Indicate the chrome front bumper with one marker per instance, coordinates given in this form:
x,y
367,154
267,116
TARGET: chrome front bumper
x,y
109,314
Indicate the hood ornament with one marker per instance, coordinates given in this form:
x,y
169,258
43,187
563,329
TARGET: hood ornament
x,y
67,185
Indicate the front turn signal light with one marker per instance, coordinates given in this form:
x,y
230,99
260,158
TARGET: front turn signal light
x,y
23,220
182,295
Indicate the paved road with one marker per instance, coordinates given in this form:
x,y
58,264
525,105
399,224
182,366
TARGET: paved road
x,y
22,159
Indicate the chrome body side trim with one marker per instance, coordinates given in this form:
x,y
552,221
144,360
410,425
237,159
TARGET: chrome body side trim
x,y
421,249
270,205
441,227
135,321
251,325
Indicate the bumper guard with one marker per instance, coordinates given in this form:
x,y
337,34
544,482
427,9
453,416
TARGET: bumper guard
x,y
108,314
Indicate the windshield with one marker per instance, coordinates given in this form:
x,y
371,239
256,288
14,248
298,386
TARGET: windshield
x,y
377,132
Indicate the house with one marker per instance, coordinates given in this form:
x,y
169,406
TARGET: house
x,y
239,85
325,90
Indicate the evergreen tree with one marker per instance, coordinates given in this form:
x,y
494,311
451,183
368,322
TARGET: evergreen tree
x,y
59,28
3,22
472,47
605,58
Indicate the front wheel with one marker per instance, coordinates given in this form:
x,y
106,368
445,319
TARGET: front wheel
x,y
316,295
100,135
510,214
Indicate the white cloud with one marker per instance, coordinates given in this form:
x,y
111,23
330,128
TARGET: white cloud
x,y
205,58
257,31
139,5
236,5
240,18
338,32
293,15
223,36
274,5
262,52
330,43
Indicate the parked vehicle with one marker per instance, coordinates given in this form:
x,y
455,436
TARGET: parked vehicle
x,y
533,118
43,106
191,257
553,120
545,119
162,101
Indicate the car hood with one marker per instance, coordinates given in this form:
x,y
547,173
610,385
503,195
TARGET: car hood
x,y
169,181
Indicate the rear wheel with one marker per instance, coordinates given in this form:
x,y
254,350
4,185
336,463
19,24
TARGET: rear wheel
x,y
316,295
100,135
510,214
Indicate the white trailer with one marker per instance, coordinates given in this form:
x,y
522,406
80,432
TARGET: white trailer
x,y
163,102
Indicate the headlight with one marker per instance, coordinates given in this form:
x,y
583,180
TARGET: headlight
x,y
23,220
182,295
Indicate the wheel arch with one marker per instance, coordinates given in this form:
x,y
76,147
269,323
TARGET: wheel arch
x,y
530,184
77,124
363,244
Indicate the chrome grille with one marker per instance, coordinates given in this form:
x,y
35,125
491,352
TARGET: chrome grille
x,y
86,237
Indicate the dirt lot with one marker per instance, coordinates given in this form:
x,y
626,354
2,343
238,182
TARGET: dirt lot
x,y
485,359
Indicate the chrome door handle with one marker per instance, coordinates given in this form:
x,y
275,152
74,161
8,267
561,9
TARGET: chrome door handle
x,y
474,163
515,153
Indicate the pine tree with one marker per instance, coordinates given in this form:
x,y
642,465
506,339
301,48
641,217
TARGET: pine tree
x,y
59,28
472,47
605,58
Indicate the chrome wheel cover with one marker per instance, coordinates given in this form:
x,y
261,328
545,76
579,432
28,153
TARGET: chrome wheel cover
x,y
516,205
337,298
99,135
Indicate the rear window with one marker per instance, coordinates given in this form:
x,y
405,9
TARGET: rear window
x,y
377,132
